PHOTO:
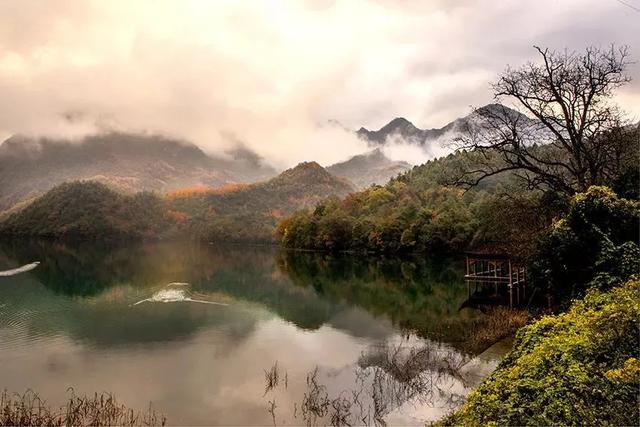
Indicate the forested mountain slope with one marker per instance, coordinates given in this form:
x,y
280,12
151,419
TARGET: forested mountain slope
x,y
251,212
235,212
457,202
127,162
422,210
88,209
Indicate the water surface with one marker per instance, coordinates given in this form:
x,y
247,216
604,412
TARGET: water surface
x,y
193,328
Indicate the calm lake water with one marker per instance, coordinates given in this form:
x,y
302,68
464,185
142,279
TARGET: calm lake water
x,y
193,328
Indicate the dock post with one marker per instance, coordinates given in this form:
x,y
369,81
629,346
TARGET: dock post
x,y
510,286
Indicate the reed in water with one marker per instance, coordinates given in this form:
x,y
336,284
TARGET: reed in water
x,y
99,409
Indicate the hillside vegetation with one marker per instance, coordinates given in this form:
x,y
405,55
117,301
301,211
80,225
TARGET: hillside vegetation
x,y
595,245
429,209
250,213
580,367
128,162
89,209
421,211
234,212
577,368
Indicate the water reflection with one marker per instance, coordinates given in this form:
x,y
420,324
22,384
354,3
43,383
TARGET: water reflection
x,y
72,322
418,295
392,382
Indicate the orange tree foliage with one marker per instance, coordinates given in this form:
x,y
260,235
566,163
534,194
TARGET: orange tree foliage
x,y
187,192
176,216
229,188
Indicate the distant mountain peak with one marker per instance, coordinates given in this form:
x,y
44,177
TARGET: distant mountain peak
x,y
336,124
398,122
491,107
372,167
396,127
376,152
308,165
312,173
403,128
498,110
305,167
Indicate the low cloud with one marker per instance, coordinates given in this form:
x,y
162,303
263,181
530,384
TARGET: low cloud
x,y
397,148
271,73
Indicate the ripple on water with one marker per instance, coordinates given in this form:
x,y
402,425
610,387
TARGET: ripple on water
x,y
25,327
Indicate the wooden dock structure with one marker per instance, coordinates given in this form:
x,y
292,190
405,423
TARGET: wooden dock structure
x,y
497,270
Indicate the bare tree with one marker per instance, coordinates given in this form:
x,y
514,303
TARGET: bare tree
x,y
565,133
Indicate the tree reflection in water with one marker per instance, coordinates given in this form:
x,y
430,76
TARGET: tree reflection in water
x,y
388,376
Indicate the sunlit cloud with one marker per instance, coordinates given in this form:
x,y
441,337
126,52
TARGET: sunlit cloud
x,y
272,73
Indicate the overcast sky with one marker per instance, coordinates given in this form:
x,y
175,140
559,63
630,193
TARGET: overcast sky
x,y
271,73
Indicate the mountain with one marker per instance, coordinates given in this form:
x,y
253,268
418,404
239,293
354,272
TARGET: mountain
x,y
295,188
402,128
422,211
90,209
369,168
399,127
127,162
312,176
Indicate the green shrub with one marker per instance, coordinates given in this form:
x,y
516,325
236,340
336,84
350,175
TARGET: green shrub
x,y
596,244
576,368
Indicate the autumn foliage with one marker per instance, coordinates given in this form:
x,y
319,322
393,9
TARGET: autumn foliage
x,y
176,216
187,192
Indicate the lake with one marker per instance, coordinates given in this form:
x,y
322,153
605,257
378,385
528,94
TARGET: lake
x,y
236,334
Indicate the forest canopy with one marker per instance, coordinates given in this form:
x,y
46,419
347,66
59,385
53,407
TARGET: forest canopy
x,y
513,174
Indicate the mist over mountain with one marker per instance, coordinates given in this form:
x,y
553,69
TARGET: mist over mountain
x,y
127,162
369,168
132,162
434,141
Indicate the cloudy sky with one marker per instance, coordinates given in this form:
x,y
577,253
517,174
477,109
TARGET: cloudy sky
x,y
272,73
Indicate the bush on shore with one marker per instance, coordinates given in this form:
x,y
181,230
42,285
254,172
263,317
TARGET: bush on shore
x,y
577,368
594,246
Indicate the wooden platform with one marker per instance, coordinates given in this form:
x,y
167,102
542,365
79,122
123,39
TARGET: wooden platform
x,y
496,269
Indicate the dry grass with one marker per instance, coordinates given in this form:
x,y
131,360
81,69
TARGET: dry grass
x,y
499,322
102,409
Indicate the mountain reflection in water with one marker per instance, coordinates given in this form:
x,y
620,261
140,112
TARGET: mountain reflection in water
x,y
71,322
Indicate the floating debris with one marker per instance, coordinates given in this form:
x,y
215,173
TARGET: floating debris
x,y
176,295
19,270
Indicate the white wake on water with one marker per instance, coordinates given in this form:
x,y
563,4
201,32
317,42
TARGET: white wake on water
x,y
19,270
175,295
